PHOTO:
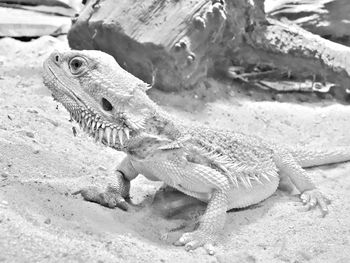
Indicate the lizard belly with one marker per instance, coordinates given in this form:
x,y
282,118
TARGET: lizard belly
x,y
242,197
181,180
237,197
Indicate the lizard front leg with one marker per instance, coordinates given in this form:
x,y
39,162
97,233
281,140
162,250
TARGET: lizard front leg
x,y
201,182
310,195
211,224
117,189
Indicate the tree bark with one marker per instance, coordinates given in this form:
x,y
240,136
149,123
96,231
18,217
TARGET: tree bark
x,y
175,44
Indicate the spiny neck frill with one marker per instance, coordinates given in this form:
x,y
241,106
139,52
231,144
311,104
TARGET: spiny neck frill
x,y
157,121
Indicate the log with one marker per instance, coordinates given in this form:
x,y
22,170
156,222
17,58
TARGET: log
x,y
62,3
25,23
327,18
178,44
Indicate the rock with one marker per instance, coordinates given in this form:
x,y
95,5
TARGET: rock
x,y
4,204
47,221
29,134
62,3
25,23
160,50
4,175
102,168
54,123
327,18
52,10
32,111
305,255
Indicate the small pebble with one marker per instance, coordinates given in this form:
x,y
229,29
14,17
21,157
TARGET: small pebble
x,y
32,111
4,204
4,175
47,221
54,123
36,151
102,168
29,134
307,256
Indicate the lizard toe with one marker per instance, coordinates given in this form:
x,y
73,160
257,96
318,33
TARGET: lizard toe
x,y
107,198
90,193
121,203
112,200
311,198
196,239
192,245
209,247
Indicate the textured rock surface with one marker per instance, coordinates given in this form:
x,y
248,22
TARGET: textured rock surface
x,y
25,23
178,44
62,3
327,18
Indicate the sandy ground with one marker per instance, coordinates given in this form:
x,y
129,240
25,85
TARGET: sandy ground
x,y
42,163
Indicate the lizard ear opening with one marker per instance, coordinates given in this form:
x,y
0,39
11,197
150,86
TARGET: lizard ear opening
x,y
106,105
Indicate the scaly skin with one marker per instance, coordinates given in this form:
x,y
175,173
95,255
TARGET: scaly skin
x,y
224,168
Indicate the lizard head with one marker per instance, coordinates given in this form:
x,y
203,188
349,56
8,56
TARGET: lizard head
x,y
101,96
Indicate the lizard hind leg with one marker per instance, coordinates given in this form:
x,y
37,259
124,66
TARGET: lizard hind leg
x,y
310,195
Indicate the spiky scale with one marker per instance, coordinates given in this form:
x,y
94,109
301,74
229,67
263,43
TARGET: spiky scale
x,y
93,125
88,123
114,136
249,182
98,125
96,136
234,179
120,135
108,132
100,135
257,179
127,132
265,176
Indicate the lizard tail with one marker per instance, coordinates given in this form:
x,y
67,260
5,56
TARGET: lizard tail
x,y
309,158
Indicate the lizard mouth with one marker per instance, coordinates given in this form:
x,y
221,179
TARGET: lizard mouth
x,y
114,134
110,134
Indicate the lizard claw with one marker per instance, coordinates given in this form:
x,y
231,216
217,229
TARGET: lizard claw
x,y
311,198
108,199
195,239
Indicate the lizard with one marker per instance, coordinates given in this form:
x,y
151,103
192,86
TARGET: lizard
x,y
225,168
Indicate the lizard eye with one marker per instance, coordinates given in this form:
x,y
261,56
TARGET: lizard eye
x,y
76,65
106,105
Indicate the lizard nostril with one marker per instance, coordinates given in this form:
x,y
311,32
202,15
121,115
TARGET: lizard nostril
x,y
57,58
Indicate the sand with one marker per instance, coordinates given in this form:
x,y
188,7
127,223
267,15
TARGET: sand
x,y
42,163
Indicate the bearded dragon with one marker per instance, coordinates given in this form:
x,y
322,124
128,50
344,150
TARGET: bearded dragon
x,y
224,168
